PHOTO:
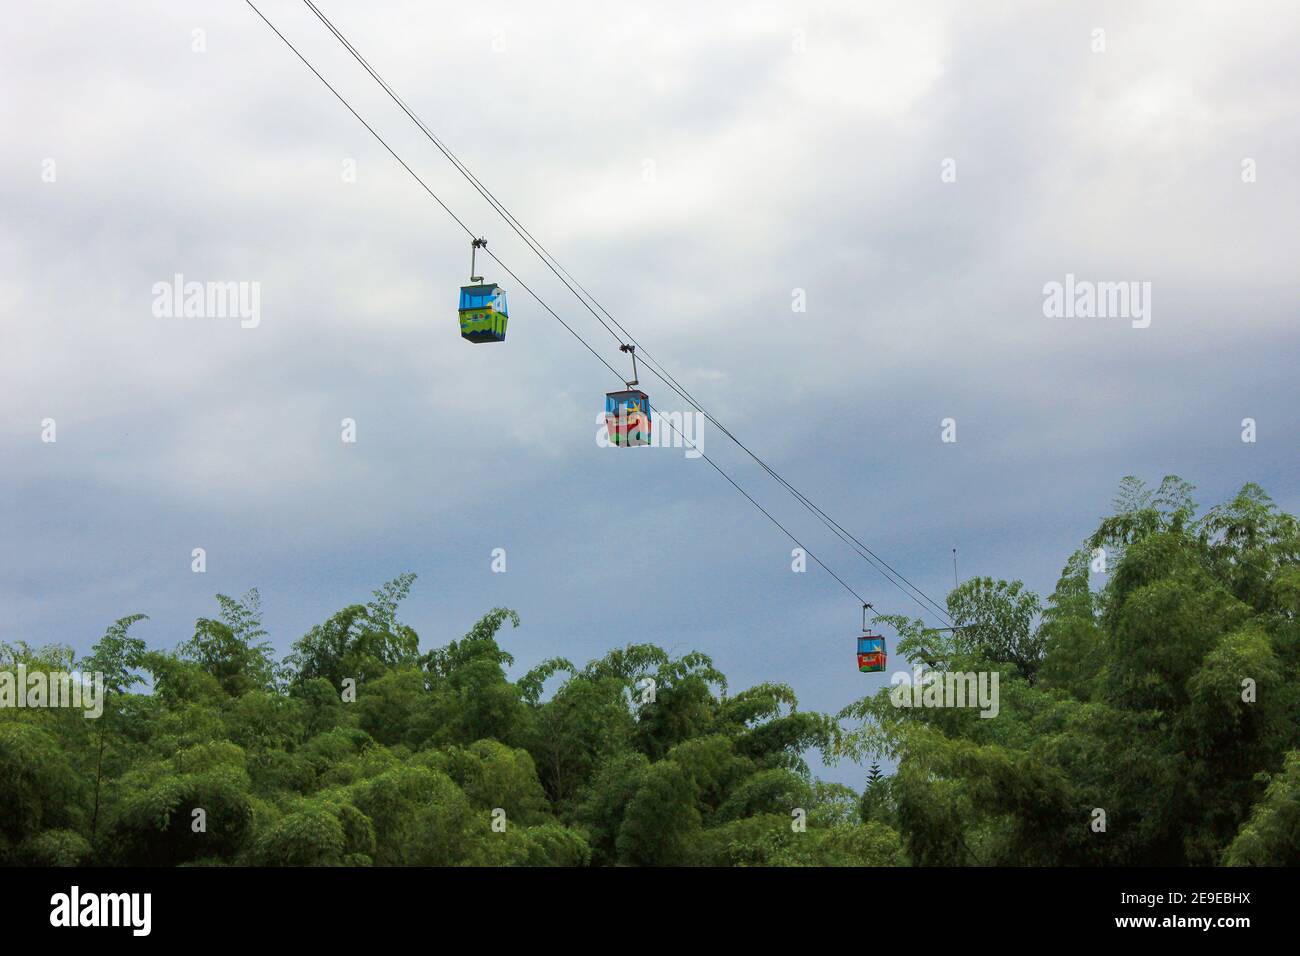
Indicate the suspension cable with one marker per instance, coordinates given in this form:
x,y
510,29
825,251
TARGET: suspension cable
x,y
622,335
543,304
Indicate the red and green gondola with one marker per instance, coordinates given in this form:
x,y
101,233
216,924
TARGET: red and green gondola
x,y
627,412
872,657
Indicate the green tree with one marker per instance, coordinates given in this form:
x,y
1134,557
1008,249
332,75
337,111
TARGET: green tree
x,y
116,656
233,648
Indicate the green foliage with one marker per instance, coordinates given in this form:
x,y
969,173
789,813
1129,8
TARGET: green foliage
x,y
1165,698
1271,837
585,722
661,818
769,840
997,623
1163,691
193,805
231,648
39,789
313,836
118,655
492,775
359,642
551,844
54,848
605,800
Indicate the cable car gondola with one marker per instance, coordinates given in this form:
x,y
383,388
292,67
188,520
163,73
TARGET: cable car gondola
x,y
871,648
483,318
483,314
627,413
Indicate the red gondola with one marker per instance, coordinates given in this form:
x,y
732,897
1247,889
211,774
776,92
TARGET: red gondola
x,y
872,657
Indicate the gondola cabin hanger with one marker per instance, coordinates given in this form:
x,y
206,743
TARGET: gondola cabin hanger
x,y
483,311
627,413
871,648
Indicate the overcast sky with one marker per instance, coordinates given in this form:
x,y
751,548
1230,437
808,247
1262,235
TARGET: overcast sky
x,y
919,170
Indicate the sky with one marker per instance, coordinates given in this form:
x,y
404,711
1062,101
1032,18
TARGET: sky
x,y
833,223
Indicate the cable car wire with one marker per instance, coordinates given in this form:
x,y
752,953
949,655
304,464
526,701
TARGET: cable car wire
x,y
886,570
543,304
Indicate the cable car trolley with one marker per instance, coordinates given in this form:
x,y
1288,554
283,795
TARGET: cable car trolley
x,y
627,413
483,313
871,648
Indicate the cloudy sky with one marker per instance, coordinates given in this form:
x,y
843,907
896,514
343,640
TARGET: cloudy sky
x,y
919,170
